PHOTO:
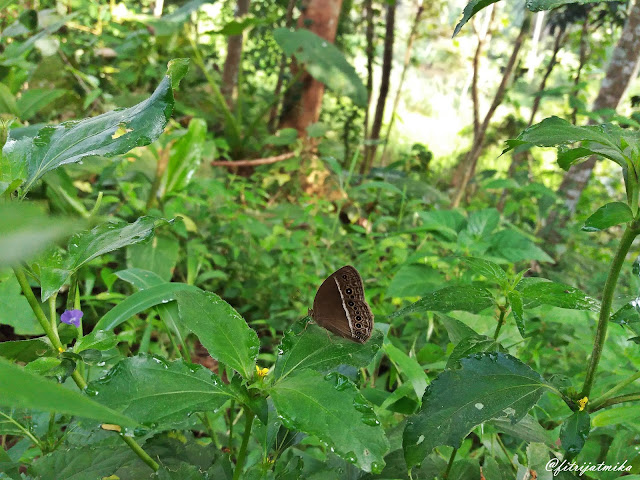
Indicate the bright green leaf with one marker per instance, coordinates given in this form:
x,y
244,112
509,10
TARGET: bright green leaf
x,y
559,295
464,297
608,215
473,7
409,367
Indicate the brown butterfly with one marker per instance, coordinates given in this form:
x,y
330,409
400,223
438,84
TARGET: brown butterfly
x,y
341,308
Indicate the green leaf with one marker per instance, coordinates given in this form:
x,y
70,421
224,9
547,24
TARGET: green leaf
x,y
96,340
20,389
8,101
468,346
468,298
15,310
489,270
414,280
27,230
473,7
307,345
621,415
517,310
107,135
140,301
86,246
186,156
220,329
570,156
323,61
35,99
27,350
608,215
574,432
85,462
527,429
332,409
456,329
152,390
140,278
409,367
160,256
487,386
515,247
559,295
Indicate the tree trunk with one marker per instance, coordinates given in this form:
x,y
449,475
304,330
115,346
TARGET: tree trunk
x,y
234,56
468,167
405,67
273,115
483,36
582,60
321,17
622,69
368,7
387,61
518,157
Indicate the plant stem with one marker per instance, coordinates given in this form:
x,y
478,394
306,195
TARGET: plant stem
x,y
144,456
605,396
25,431
245,442
630,233
503,312
630,397
450,464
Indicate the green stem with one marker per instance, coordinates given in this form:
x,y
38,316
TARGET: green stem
x,y
450,464
231,408
628,236
243,448
144,456
503,312
630,397
25,432
605,396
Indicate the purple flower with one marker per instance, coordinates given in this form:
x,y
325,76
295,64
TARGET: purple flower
x,y
72,317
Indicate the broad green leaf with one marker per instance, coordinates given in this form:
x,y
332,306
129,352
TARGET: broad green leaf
x,y
155,391
517,310
409,367
473,7
84,462
470,345
332,409
559,295
323,61
8,101
27,350
160,256
481,223
20,389
307,345
538,5
491,469
490,270
15,310
456,329
107,135
140,278
27,230
96,340
446,222
486,386
527,429
220,329
140,301
620,415
464,297
569,156
186,156
86,246
515,247
35,99
608,215
414,280
537,461
574,432
626,315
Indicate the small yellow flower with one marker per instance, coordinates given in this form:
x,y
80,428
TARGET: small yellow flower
x,y
61,350
262,372
583,403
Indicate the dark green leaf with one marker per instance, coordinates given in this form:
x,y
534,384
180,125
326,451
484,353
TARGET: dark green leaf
x,y
559,295
84,462
490,270
487,386
332,409
309,346
220,329
468,346
515,247
323,61
515,300
608,215
20,389
35,99
186,156
15,310
473,7
538,5
96,340
527,429
574,432
456,329
468,298
627,314
154,391
27,350
570,156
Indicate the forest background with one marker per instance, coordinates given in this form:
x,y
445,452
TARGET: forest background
x,y
178,178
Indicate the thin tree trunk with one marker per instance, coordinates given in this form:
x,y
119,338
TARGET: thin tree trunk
x,y
387,61
368,7
273,115
320,17
407,59
468,167
581,62
483,36
518,157
234,56
622,69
